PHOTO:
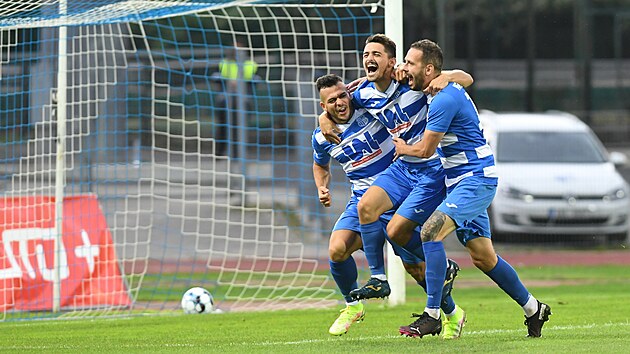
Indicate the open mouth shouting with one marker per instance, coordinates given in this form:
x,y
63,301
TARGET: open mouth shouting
x,y
410,81
342,111
371,69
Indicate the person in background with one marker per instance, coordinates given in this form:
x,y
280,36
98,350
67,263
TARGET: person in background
x,y
235,66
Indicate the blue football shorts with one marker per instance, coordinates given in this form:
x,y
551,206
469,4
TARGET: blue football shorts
x,y
467,204
349,220
415,190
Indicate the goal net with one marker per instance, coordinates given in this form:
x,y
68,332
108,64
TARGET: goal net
x,y
152,146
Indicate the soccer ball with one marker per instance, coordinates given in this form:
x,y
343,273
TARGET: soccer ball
x,y
197,300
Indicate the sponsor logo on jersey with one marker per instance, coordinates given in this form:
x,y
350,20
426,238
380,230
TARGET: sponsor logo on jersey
x,y
360,150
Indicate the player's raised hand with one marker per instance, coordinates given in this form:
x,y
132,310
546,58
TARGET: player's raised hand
x,y
324,196
351,87
398,74
329,128
436,85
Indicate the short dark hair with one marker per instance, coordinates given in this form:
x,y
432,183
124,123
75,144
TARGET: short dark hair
x,y
431,53
327,81
390,46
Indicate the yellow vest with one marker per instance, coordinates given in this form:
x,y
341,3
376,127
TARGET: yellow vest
x,y
229,69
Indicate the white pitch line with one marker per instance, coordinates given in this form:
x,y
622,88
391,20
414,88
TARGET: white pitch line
x,y
306,341
466,333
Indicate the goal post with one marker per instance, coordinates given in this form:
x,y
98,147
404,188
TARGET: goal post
x,y
396,273
152,146
60,165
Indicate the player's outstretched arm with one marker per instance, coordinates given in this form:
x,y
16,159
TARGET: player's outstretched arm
x,y
423,148
321,175
351,87
441,112
329,128
459,76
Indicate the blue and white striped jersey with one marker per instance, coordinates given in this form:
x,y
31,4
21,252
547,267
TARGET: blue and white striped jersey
x,y
400,109
366,150
464,150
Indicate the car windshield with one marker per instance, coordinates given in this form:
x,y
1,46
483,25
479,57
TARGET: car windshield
x,y
548,147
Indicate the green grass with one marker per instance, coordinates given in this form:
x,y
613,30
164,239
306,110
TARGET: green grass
x,y
591,314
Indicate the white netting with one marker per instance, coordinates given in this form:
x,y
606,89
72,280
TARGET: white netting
x,y
202,180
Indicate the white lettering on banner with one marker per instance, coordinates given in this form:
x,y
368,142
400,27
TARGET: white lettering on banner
x,y
22,236
14,270
87,251
27,264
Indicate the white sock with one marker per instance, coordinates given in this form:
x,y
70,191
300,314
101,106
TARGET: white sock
x,y
531,306
435,313
449,315
352,303
381,277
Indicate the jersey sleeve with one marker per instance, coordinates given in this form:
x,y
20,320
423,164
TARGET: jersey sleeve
x,y
320,156
357,102
442,110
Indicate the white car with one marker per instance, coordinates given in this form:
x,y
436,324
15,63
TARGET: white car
x,y
555,178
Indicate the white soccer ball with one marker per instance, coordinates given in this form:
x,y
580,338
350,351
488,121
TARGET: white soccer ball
x,y
197,300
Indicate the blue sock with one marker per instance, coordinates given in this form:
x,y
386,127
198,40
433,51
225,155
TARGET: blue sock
x,y
447,305
436,271
373,238
345,275
506,278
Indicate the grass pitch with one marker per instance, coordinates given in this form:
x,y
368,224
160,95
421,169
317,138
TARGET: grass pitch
x,y
591,314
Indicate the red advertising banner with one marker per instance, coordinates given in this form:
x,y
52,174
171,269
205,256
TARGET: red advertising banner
x,y
89,271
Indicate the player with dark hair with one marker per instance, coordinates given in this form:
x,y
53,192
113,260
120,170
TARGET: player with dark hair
x,y
453,131
365,150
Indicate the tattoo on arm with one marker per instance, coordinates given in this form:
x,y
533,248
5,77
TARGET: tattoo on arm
x,y
433,225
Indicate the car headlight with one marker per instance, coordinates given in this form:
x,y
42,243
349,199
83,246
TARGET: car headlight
x,y
515,193
616,194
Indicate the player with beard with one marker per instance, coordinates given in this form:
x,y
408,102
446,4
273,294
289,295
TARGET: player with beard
x,y
453,131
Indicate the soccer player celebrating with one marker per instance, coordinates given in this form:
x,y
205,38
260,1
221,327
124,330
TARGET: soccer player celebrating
x,y
453,131
411,186
365,150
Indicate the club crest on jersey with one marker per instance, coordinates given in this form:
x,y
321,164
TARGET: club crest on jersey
x,y
362,121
